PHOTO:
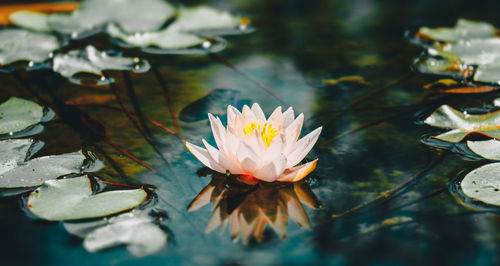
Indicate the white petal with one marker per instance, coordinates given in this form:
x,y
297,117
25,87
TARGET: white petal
x,y
302,148
274,150
255,142
257,111
218,131
271,171
247,159
232,114
293,132
276,118
247,116
288,117
204,157
221,159
297,173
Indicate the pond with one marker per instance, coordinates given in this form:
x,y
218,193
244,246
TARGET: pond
x,y
385,191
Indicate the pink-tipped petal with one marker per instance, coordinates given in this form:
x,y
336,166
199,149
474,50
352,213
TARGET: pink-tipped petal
x,y
204,157
288,117
276,118
257,111
302,147
299,172
293,132
271,171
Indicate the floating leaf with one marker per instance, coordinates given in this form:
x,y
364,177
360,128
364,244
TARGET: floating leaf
x,y
72,199
94,15
135,229
17,114
91,60
463,124
470,90
15,151
30,20
463,30
483,184
489,149
34,172
23,45
196,26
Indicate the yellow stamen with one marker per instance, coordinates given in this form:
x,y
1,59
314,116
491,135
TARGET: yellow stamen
x,y
266,130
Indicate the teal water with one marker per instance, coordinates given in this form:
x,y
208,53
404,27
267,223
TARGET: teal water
x,y
295,48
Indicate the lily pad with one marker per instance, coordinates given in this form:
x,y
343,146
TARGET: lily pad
x,y
91,60
483,184
15,151
23,45
463,124
94,15
73,199
34,172
197,26
489,149
17,114
463,30
135,229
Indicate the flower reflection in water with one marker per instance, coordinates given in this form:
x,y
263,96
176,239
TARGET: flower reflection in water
x,y
249,208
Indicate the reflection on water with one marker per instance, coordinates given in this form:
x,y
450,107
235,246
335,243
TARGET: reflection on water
x,y
250,208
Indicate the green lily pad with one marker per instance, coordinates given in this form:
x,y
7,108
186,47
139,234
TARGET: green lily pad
x,y
463,124
94,15
489,149
463,30
23,45
135,229
483,184
17,114
34,172
73,199
197,26
16,151
91,60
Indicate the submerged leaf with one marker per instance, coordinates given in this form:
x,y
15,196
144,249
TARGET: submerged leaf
x,y
23,45
135,229
17,114
91,60
72,199
483,184
463,124
463,30
215,102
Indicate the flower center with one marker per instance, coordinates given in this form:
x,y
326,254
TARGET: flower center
x,y
266,130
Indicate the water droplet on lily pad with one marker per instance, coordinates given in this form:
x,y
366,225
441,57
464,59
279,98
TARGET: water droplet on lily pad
x,y
23,45
92,61
20,116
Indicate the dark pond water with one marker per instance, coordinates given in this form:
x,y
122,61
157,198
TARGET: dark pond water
x,y
296,47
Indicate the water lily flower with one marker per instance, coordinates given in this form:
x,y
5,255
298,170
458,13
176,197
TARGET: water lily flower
x,y
258,148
